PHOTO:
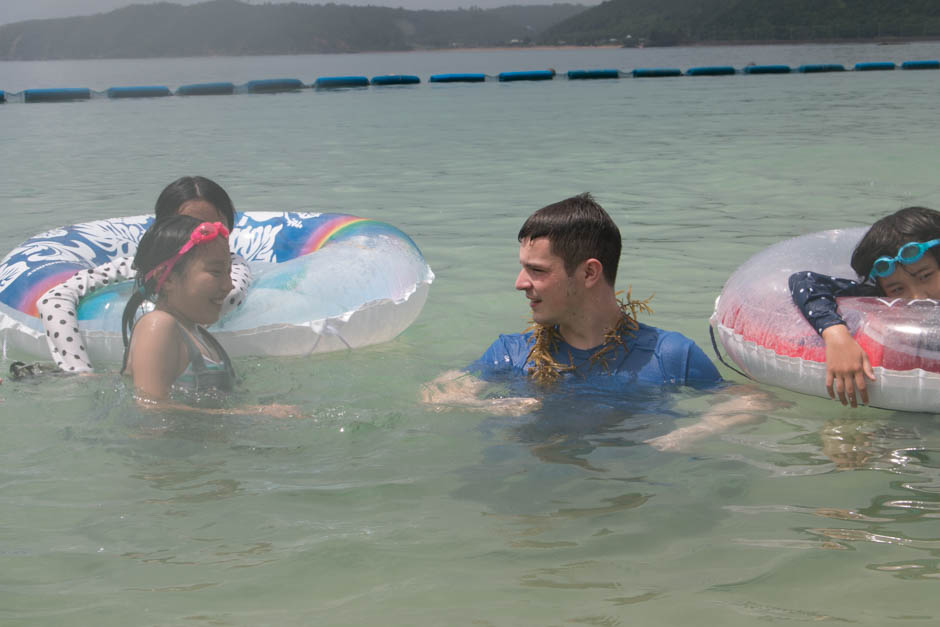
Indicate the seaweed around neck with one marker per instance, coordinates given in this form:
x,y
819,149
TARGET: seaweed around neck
x,y
546,370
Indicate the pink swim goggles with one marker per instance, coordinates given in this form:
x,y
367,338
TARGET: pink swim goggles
x,y
205,232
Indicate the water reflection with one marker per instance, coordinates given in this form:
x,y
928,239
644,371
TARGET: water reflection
x,y
852,444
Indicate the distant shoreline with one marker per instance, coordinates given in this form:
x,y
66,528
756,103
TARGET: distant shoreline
x,y
894,41
505,48
881,41
884,41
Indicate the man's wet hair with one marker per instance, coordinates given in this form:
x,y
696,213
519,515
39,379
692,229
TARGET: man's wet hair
x,y
887,235
578,229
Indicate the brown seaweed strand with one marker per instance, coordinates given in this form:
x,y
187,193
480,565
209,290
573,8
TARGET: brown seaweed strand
x,y
546,370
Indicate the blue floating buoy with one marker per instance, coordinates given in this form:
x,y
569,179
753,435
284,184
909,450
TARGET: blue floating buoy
x,y
61,94
395,79
921,65
873,67
656,72
575,75
767,69
141,91
273,85
710,70
457,78
3,96
336,82
536,75
817,68
206,89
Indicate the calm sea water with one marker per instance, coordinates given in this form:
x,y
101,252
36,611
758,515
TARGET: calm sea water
x,y
373,510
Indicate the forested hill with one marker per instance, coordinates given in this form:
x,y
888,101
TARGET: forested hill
x,y
670,22
230,27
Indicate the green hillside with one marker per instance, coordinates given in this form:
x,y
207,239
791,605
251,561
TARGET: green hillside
x,y
670,22
229,27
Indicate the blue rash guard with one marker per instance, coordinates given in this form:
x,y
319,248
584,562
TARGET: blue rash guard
x,y
650,356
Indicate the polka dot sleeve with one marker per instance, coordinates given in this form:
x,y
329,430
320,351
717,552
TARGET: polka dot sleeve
x,y
57,309
241,281
815,295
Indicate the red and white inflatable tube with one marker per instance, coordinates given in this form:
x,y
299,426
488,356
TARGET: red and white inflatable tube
x,y
763,332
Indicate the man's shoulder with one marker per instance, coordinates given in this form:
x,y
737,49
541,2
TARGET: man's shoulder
x,y
508,351
682,360
662,340
512,343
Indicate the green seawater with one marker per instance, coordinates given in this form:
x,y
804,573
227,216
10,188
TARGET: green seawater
x,y
372,509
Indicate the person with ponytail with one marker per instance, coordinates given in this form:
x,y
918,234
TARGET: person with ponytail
x,y
183,267
194,196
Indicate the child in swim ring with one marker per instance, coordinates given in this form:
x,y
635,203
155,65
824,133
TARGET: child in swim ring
x,y
194,196
899,257
183,266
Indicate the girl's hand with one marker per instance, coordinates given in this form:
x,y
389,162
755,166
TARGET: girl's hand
x,y
847,366
277,410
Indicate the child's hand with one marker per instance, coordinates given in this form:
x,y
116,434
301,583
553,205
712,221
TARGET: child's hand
x,y
847,366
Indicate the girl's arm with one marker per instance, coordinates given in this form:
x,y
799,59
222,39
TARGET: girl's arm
x,y
157,356
847,365
57,309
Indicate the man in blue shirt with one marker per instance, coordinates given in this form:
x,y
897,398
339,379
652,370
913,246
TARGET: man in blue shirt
x,y
569,252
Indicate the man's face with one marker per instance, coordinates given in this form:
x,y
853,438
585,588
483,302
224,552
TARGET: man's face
x,y
554,297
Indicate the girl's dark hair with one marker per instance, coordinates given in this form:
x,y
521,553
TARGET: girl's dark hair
x,y
578,229
887,235
160,243
187,188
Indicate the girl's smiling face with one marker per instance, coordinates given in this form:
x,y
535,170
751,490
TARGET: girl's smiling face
x,y
196,294
920,279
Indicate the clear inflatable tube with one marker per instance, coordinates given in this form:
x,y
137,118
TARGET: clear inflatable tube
x,y
321,282
764,333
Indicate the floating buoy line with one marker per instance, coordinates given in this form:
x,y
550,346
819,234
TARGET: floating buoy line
x,y
327,83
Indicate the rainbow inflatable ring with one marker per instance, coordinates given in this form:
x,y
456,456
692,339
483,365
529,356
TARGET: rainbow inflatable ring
x,y
763,332
321,282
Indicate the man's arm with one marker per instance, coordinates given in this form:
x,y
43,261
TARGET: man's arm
x,y
455,389
747,404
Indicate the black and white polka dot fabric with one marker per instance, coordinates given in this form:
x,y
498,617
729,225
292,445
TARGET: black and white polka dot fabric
x,y
815,294
57,307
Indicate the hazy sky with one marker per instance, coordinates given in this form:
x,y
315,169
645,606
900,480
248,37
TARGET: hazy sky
x,y
17,10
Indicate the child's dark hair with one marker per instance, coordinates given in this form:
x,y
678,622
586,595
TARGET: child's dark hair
x,y
187,188
887,235
160,243
578,229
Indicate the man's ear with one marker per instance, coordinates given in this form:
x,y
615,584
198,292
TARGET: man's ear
x,y
593,271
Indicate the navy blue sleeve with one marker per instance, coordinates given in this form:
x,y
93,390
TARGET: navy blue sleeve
x,y
815,295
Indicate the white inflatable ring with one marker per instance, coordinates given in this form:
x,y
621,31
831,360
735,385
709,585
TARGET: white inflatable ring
x,y
763,332
322,282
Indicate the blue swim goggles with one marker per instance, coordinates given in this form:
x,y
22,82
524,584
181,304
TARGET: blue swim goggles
x,y
907,254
